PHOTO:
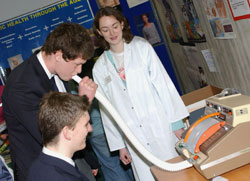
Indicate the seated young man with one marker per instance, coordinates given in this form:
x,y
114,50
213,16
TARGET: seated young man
x,y
64,124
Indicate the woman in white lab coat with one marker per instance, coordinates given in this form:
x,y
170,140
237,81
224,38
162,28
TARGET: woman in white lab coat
x,y
131,76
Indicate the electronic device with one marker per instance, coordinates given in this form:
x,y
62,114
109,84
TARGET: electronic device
x,y
220,140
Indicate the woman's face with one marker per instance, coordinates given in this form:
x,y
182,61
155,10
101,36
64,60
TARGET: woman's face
x,y
111,30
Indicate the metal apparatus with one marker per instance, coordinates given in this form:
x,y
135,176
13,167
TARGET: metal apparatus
x,y
219,141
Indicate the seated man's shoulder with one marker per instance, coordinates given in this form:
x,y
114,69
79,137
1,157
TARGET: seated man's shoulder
x,y
52,170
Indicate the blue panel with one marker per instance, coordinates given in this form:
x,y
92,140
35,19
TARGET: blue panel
x,y
160,49
19,36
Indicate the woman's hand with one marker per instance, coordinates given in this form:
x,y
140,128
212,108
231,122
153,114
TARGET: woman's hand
x,y
178,133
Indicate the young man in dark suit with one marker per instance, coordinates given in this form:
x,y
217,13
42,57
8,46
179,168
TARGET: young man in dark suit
x,y
64,125
66,48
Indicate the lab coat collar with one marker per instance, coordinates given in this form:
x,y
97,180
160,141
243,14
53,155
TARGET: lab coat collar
x,y
127,56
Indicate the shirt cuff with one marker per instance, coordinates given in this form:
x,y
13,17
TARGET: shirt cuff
x,y
177,125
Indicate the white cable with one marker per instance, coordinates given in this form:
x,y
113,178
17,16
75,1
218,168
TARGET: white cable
x,y
149,156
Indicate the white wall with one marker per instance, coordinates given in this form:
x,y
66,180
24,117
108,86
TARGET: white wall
x,y
13,8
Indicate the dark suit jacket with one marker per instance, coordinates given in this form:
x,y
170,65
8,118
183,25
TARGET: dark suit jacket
x,y
25,87
48,168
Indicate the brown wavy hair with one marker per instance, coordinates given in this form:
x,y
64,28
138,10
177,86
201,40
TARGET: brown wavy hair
x,y
72,39
57,110
109,11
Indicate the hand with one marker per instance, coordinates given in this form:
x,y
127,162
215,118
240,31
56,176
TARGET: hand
x,y
178,133
124,156
94,171
87,87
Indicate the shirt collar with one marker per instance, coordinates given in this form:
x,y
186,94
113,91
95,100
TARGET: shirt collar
x,y
57,155
41,60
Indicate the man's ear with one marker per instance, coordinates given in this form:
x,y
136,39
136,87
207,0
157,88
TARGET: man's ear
x,y
58,55
67,133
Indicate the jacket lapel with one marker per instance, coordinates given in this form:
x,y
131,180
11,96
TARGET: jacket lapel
x,y
42,74
110,67
66,85
127,57
39,71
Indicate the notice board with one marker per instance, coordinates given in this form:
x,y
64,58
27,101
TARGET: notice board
x,y
21,36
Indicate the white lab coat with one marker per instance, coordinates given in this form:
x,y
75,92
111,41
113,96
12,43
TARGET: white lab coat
x,y
148,104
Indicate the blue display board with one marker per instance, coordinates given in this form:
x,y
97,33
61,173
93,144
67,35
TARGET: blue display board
x,y
161,50
19,37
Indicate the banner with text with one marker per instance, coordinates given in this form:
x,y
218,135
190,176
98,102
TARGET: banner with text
x,y
21,36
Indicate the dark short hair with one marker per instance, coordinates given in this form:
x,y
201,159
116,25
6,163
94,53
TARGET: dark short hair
x,y
57,110
72,39
109,11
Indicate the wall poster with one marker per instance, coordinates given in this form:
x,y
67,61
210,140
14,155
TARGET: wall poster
x,y
111,3
171,23
240,9
20,36
133,3
195,67
192,24
209,58
168,20
218,18
147,27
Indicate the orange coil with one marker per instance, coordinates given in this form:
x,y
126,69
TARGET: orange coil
x,y
198,122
